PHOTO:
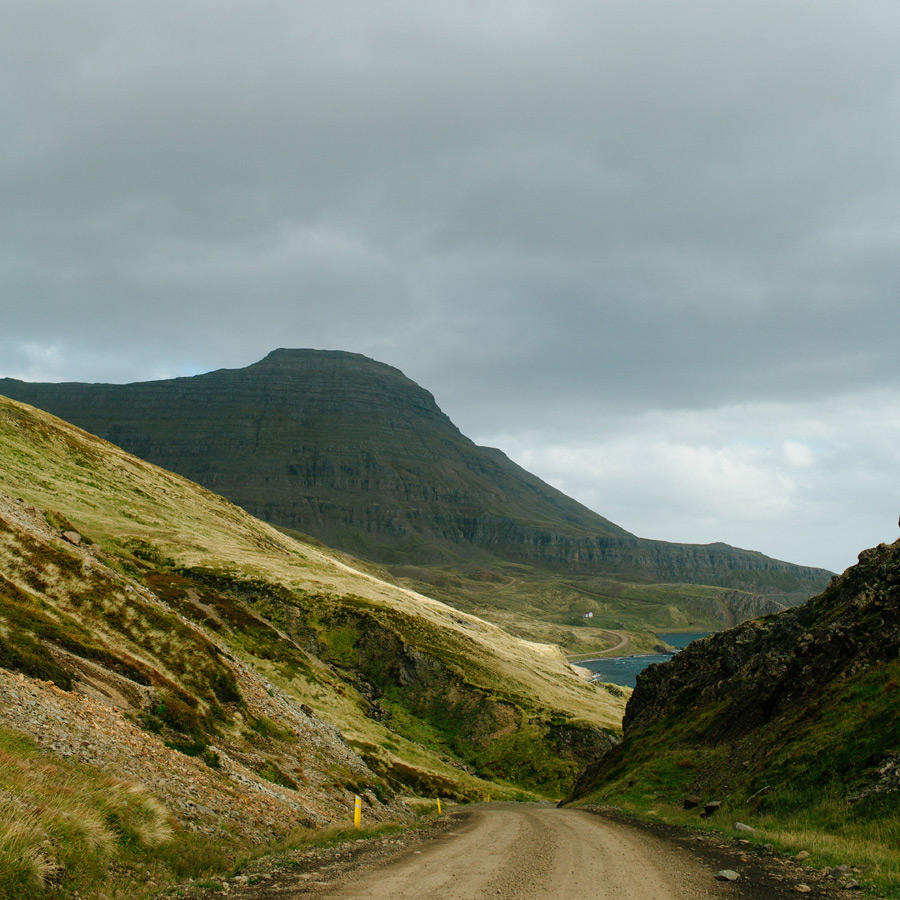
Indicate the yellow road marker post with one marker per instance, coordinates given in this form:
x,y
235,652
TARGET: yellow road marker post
x,y
357,810
439,805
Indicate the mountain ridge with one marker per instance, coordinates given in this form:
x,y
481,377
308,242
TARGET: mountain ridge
x,y
354,453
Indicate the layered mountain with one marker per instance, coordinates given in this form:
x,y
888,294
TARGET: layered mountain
x,y
788,722
350,451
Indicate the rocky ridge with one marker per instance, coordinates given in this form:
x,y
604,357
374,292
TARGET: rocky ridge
x,y
766,666
786,724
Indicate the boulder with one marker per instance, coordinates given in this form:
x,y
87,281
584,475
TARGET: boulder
x,y
727,875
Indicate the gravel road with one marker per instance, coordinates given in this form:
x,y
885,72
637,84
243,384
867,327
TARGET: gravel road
x,y
528,852
531,852
510,850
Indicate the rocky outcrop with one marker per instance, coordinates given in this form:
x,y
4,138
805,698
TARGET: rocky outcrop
x,y
780,709
352,452
766,666
732,607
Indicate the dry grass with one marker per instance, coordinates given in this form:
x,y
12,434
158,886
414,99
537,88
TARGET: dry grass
x,y
62,824
67,830
869,845
115,498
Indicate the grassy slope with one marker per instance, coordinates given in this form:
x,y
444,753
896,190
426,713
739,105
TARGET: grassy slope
x,y
548,607
350,450
68,830
809,763
125,505
436,701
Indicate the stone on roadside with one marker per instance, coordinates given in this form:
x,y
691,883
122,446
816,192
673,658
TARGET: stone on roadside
x,y
727,875
801,856
711,807
73,537
802,888
740,826
692,801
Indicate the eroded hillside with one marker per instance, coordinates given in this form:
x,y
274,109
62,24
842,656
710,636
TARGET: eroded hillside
x,y
246,682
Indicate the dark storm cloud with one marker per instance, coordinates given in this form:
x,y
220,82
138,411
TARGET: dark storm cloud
x,y
558,217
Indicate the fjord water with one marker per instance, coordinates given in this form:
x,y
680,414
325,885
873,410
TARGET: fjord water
x,y
624,670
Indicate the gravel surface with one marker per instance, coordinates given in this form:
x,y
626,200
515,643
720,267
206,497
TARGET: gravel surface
x,y
532,851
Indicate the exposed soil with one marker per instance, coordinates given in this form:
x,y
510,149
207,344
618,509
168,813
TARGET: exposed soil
x,y
532,851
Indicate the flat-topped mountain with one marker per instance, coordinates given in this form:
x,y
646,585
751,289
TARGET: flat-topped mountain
x,y
352,452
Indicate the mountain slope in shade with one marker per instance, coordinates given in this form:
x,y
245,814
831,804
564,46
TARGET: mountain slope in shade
x,y
352,452
790,721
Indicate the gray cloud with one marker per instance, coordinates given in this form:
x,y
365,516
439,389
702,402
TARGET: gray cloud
x,y
559,218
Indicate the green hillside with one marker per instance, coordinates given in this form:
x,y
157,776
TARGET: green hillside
x,y
790,721
161,646
350,451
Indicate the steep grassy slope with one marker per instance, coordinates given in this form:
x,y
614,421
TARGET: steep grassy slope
x,y
142,726
790,720
151,628
351,451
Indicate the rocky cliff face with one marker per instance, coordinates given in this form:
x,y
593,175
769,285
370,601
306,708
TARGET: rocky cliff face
x,y
732,607
352,452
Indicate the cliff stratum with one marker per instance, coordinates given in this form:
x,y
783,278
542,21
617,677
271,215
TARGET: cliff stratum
x,y
175,673
790,721
352,452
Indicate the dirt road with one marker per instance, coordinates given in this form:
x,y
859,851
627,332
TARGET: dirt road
x,y
624,640
507,851
522,851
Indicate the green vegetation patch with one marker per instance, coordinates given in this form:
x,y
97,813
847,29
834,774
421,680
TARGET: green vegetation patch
x,y
807,781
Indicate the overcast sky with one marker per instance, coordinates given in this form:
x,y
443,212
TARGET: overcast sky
x,y
649,249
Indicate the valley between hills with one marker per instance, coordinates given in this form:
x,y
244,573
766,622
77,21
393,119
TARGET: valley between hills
x,y
340,596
